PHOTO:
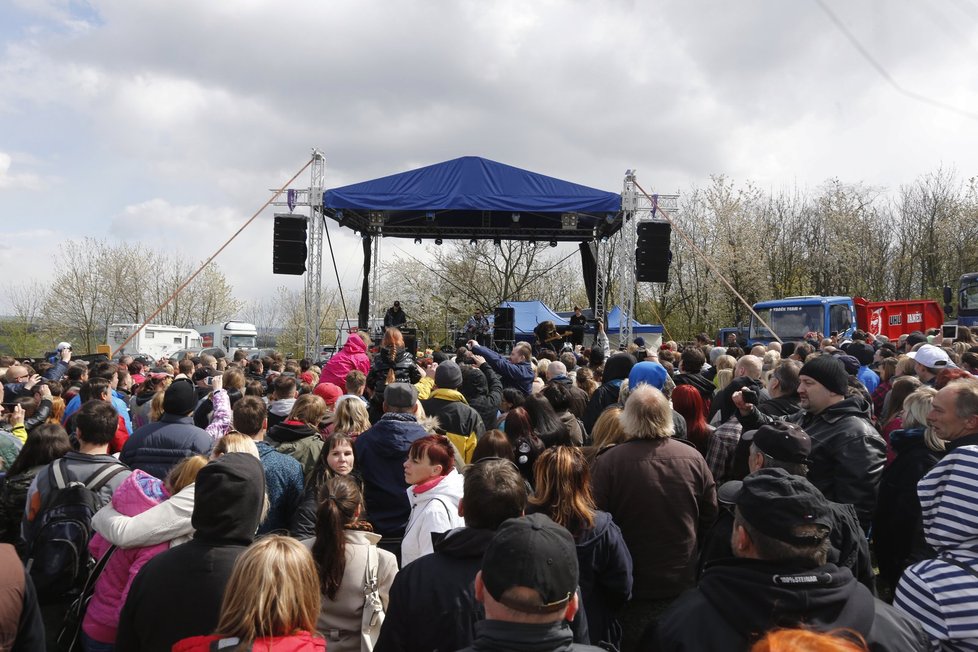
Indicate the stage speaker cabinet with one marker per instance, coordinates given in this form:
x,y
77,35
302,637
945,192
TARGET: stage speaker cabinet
x,y
653,254
289,245
503,324
410,340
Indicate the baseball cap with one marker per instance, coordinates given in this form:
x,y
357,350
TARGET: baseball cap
x,y
63,345
776,503
205,372
783,441
400,395
329,392
932,357
532,552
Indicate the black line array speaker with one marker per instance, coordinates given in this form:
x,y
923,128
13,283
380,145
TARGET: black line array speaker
x,y
289,245
503,329
652,254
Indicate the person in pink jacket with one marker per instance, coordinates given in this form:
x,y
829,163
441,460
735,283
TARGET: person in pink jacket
x,y
138,493
353,355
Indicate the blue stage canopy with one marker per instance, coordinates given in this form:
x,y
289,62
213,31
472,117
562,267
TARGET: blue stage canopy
x,y
472,197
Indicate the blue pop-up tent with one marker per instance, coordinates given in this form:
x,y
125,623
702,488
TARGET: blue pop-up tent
x,y
527,314
472,197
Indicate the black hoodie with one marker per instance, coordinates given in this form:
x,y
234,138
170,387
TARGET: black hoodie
x,y
738,600
178,593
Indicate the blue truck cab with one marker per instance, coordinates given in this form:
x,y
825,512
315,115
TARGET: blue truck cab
x,y
968,300
791,318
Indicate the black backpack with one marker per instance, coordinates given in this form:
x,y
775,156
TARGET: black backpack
x,y
58,560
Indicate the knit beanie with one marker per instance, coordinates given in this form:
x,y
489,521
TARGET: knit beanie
x,y
448,375
827,371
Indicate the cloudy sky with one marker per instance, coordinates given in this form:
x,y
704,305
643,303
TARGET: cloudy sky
x,y
167,121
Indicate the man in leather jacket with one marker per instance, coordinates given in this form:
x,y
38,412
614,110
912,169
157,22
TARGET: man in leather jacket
x,y
847,452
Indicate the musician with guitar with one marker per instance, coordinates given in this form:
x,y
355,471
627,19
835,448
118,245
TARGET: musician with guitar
x,y
478,328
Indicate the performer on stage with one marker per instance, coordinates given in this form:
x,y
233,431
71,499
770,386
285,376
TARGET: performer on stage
x,y
478,328
395,317
577,325
547,336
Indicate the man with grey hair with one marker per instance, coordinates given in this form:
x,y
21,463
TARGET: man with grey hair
x,y
661,493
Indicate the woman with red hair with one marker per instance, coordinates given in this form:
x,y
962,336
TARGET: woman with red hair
x,y
435,491
687,401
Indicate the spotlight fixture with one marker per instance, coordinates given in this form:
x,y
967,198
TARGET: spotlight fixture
x,y
515,217
497,242
473,242
553,243
438,241
430,216
417,241
533,242
568,221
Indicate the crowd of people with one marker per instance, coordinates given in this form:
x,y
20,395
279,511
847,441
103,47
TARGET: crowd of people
x,y
814,495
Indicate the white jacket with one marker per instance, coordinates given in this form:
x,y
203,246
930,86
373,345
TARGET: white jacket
x,y
167,521
436,510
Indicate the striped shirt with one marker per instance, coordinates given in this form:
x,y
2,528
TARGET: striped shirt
x,y
940,594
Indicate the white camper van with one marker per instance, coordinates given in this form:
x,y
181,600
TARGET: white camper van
x,y
154,340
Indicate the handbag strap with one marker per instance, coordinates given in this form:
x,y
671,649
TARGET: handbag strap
x,y
370,572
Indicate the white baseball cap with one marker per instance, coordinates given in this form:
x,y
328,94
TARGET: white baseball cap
x,y
932,357
63,345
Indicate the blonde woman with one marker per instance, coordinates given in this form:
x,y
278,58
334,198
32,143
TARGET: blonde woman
x,y
351,417
897,529
271,602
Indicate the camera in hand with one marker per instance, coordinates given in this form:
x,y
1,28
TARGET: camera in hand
x,y
749,396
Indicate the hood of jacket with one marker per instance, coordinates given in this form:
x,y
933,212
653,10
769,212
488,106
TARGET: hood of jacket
x,y
449,490
703,384
754,596
229,495
450,395
138,492
355,345
474,383
588,538
905,438
617,367
283,406
944,493
291,431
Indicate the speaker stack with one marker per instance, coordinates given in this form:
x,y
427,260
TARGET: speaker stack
x,y
653,255
503,326
289,245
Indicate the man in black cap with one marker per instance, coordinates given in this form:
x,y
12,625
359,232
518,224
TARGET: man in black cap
x,y
395,317
158,446
178,593
779,577
380,454
528,586
848,453
786,446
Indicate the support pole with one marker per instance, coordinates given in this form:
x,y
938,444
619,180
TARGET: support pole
x,y
314,258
